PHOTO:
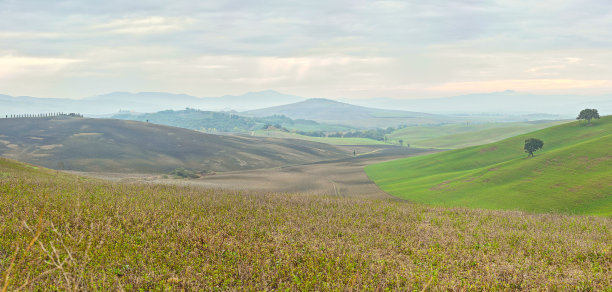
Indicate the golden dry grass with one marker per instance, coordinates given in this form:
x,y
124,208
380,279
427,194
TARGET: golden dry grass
x,y
95,235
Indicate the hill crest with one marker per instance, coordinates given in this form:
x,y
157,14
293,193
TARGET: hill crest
x,y
108,145
336,112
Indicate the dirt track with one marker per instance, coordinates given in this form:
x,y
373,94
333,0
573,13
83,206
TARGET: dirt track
x,y
343,177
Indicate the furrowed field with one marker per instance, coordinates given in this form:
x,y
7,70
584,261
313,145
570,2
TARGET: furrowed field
x,y
70,233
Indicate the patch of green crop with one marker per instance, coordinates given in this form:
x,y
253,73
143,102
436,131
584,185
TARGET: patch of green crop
x,y
460,135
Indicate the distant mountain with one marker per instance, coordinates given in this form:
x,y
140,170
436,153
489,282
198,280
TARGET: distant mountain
x,y
28,105
157,101
127,146
335,112
496,106
142,102
530,106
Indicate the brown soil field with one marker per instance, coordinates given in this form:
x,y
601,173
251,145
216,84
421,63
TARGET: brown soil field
x,y
343,177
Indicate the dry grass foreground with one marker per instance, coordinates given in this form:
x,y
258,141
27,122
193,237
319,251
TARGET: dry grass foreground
x,y
70,233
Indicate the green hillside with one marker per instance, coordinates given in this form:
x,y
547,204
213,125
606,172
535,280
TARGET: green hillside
x,y
571,174
460,135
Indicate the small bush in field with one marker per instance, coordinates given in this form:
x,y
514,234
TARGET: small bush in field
x,y
184,173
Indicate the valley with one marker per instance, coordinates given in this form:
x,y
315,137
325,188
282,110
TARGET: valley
x,y
343,177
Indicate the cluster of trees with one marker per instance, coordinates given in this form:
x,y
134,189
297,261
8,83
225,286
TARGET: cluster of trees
x,y
279,127
44,115
227,122
188,173
312,133
196,120
374,134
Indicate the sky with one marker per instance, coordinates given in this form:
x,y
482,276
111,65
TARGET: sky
x,y
332,49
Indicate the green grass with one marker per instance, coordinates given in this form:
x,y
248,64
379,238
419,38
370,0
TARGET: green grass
x,y
571,174
326,140
455,136
63,232
446,136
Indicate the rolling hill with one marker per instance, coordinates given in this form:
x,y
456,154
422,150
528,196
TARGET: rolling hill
x,y
571,174
461,135
127,146
334,112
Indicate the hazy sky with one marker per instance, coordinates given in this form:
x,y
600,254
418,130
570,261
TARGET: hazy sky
x,y
335,49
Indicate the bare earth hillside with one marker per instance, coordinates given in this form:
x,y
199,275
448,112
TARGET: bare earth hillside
x,y
129,146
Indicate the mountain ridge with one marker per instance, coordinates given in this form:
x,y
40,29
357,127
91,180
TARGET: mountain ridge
x,y
502,102
106,104
335,112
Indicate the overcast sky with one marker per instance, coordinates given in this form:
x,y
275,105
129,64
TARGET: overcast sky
x,y
334,49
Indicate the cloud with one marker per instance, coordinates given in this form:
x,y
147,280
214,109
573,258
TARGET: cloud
x,y
13,66
317,48
29,35
534,85
148,25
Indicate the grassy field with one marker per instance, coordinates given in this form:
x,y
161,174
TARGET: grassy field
x,y
446,136
571,174
460,135
63,232
326,140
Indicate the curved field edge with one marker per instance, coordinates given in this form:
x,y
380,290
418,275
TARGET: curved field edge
x,y
571,174
455,136
64,232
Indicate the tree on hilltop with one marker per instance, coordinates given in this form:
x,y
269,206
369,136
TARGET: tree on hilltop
x,y
533,145
588,114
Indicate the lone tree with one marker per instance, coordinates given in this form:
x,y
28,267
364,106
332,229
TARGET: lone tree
x,y
588,114
533,145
